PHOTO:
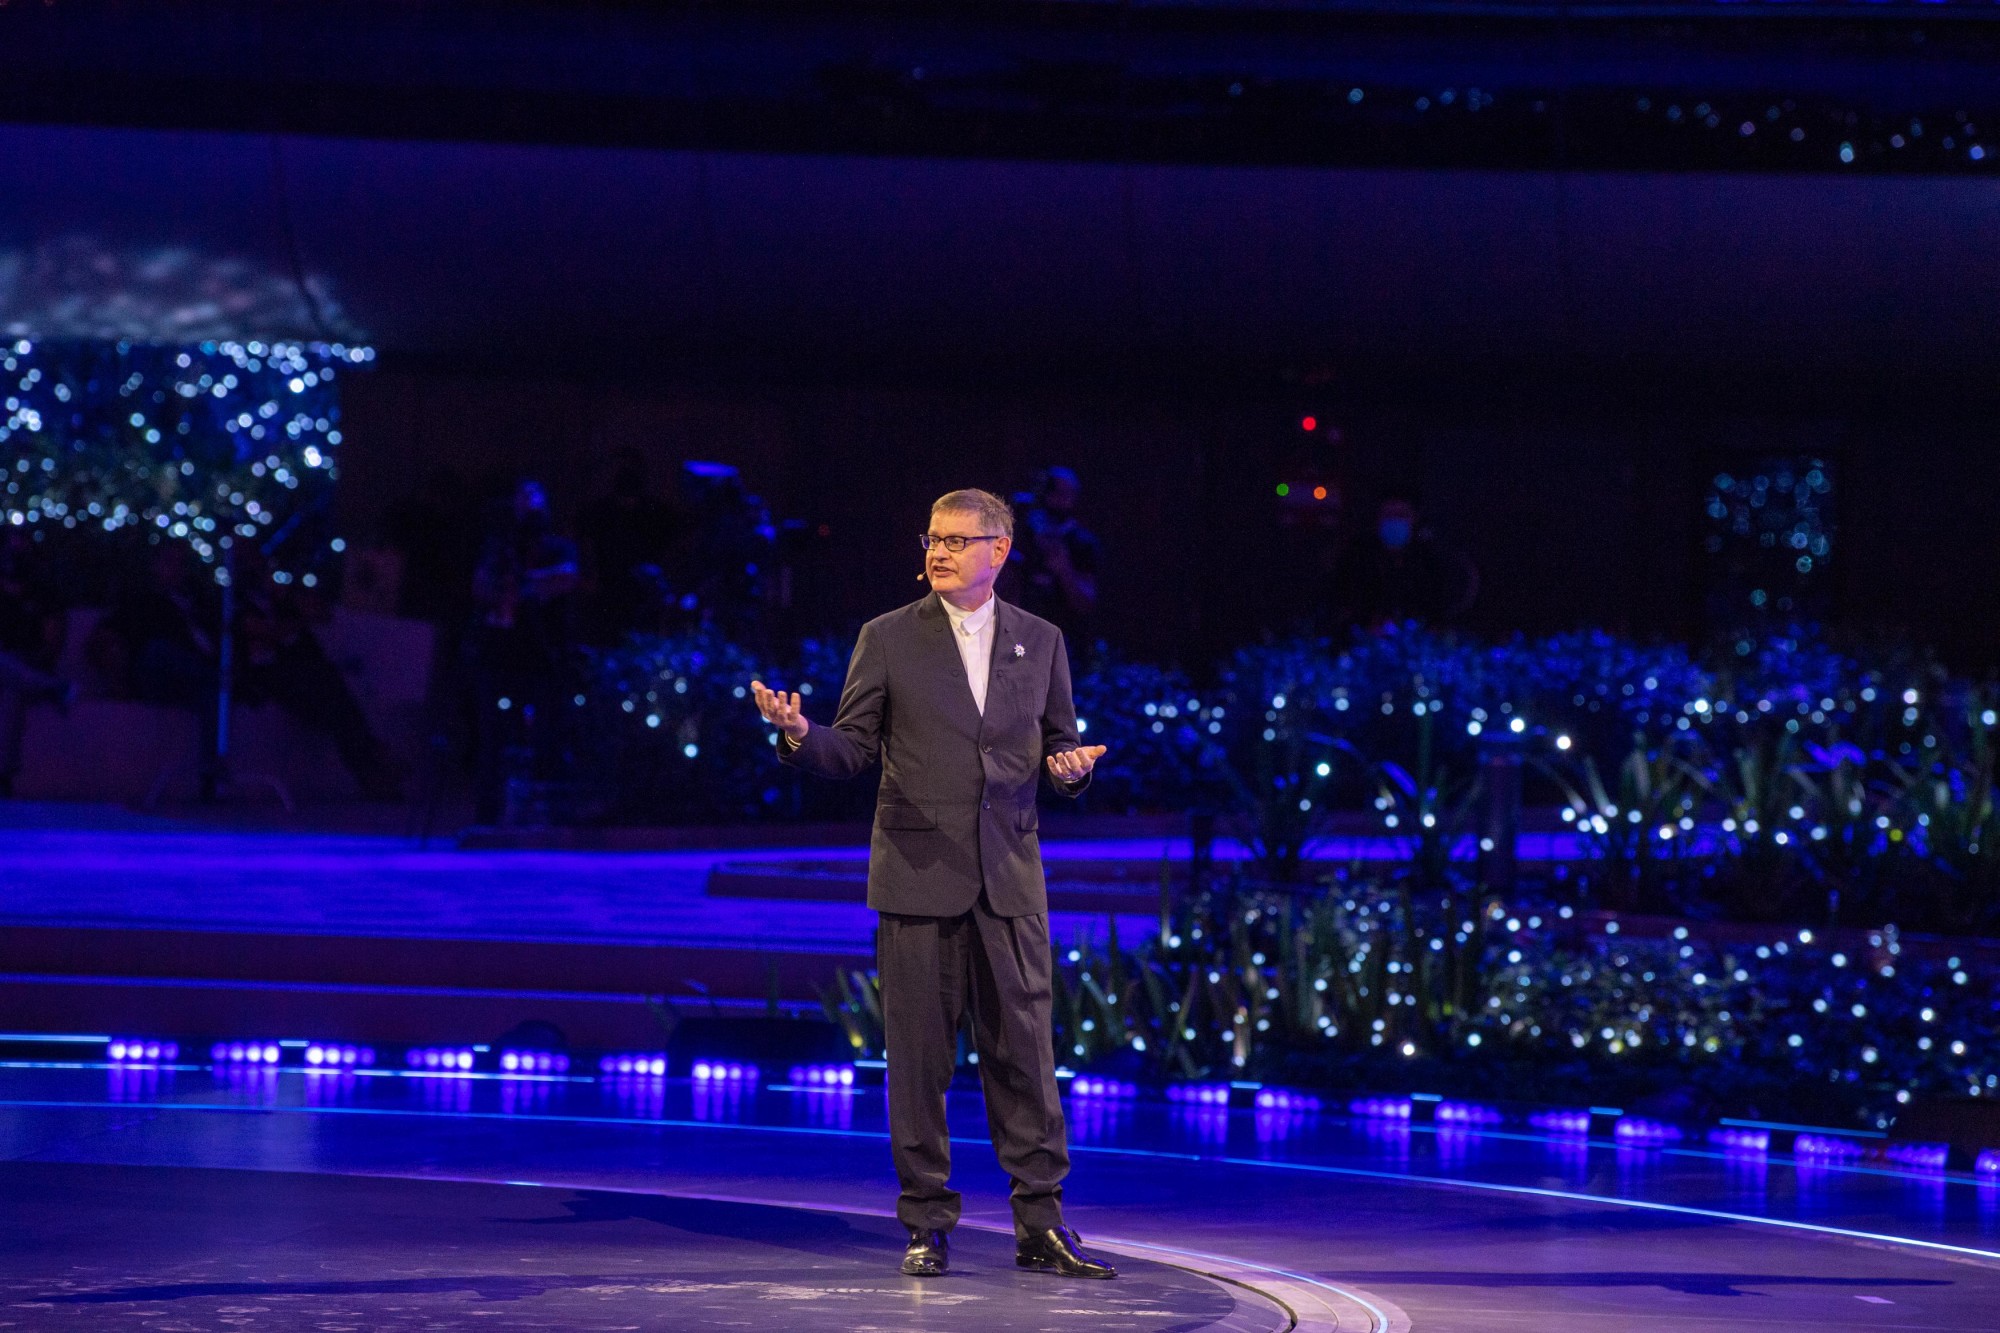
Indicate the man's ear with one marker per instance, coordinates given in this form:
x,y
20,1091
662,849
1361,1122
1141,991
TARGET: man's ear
x,y
1000,550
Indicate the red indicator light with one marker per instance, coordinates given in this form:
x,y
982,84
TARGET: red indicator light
x,y
1309,424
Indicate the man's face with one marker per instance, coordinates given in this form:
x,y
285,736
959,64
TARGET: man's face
x,y
972,570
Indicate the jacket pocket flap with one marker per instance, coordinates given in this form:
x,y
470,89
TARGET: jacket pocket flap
x,y
1028,820
903,816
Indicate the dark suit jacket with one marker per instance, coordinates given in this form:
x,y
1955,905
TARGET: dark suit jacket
x,y
956,812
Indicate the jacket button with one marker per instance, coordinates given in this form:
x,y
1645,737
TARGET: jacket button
x,y
986,805
986,749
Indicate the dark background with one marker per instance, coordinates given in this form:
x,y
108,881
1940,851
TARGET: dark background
x,y
869,253
1579,510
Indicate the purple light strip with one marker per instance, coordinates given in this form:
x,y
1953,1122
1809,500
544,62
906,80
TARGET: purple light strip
x,y
1445,1182
822,1078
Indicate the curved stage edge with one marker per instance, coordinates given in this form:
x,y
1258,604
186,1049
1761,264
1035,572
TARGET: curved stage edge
x,y
1326,1226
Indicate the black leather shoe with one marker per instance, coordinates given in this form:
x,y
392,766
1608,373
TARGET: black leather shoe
x,y
1060,1250
929,1255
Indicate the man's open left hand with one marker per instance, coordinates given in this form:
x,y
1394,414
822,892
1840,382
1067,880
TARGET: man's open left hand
x,y
1074,765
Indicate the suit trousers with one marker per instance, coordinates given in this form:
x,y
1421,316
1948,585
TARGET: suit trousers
x,y
931,968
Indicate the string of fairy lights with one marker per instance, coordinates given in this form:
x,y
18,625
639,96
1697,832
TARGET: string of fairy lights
x,y
206,444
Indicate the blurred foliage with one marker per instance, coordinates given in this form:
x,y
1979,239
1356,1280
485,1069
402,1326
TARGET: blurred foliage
x,y
1776,781
1153,718
1368,984
1787,784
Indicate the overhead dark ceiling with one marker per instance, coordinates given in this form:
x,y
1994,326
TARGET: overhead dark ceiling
x,y
1469,83
144,195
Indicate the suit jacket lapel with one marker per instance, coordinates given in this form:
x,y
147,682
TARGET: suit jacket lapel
x,y
1004,631
947,668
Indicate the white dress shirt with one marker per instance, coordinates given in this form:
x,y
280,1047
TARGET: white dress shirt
x,y
972,631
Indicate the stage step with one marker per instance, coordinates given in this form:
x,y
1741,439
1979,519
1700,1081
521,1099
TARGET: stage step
x,y
789,971
193,1012
390,990
1126,888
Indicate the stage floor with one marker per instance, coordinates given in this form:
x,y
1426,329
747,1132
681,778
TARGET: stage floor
x,y
191,879
152,873
186,1199
196,1250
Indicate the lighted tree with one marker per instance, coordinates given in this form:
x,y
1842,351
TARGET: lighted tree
x,y
205,444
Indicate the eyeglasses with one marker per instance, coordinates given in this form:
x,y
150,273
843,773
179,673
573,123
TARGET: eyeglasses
x,y
954,544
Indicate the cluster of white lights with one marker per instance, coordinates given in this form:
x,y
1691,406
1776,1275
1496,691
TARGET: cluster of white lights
x,y
204,445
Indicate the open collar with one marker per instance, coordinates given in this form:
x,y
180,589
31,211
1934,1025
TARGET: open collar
x,y
1006,632
977,620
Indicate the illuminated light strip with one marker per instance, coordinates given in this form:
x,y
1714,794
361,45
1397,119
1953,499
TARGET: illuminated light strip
x,y
1681,1209
122,1067
462,1075
1855,1167
57,1037
1354,1172
1804,1129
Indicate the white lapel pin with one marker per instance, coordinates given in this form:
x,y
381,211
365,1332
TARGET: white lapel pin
x,y
1019,651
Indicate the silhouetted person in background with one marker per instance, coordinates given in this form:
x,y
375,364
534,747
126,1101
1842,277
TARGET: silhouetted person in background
x,y
630,539
31,628
524,593
731,552
1401,571
434,528
280,660
168,629
1054,566
167,622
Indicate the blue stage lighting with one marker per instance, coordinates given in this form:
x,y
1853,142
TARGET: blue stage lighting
x,y
441,1059
1085,1085
328,1056
1638,1132
1462,1115
533,1062
722,1071
1826,1148
1922,1156
817,1078
1566,1123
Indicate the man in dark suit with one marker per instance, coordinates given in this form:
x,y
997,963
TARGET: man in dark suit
x,y
964,701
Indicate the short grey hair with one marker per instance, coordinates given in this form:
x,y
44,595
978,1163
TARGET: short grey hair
x,y
995,514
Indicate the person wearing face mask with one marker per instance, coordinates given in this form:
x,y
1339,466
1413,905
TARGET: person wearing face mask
x,y
1400,571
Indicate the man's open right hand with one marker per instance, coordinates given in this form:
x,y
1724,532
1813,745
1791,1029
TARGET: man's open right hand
x,y
781,710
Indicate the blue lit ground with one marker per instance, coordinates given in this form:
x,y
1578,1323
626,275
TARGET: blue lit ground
x,y
1349,1224
194,879
199,880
